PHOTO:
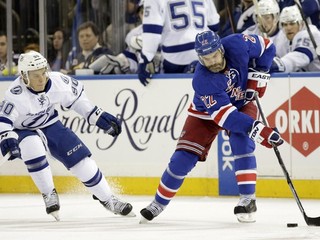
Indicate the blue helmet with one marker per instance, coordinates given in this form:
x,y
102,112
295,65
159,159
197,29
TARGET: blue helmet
x,y
207,42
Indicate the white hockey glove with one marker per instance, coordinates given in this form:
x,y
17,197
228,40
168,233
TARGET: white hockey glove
x,y
266,136
277,65
136,42
108,64
9,143
105,121
257,82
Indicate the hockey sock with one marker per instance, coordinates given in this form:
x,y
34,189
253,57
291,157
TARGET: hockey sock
x,y
33,154
245,163
246,174
180,165
90,175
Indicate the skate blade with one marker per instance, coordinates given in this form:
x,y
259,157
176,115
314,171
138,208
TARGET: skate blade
x,y
130,214
246,217
55,214
143,220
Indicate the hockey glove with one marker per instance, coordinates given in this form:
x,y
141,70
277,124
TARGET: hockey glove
x,y
266,136
145,70
257,82
105,121
9,143
277,65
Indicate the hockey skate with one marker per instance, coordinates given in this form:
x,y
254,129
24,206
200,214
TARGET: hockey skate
x,y
151,211
245,210
118,207
51,201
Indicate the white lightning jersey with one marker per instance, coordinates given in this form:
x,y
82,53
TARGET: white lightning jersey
x,y
277,38
23,108
300,55
173,25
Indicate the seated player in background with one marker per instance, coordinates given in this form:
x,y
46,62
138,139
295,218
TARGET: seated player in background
x,y
296,52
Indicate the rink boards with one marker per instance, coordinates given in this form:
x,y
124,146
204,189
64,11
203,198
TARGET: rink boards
x,y
152,120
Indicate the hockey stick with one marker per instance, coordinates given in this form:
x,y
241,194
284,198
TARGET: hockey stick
x,y
230,16
259,19
316,48
309,220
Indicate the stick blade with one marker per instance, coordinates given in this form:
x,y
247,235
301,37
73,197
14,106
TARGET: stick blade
x,y
312,221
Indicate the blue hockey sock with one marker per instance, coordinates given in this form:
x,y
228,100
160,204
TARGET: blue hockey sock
x,y
180,165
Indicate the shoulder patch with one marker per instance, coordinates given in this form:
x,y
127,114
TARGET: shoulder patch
x,y
65,79
16,90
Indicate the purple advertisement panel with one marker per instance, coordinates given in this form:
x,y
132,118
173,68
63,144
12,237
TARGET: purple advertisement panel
x,y
227,181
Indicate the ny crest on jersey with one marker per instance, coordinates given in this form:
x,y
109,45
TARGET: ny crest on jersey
x,y
16,90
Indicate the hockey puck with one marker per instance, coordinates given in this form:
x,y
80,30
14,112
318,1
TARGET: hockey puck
x,y
292,225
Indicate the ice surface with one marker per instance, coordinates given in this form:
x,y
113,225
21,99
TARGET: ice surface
x,y
23,216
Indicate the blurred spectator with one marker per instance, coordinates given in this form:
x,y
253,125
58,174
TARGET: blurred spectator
x,y
241,17
31,47
3,57
90,48
127,61
297,52
58,54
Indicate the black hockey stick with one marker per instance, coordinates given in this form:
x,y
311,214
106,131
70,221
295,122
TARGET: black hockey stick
x,y
316,48
311,221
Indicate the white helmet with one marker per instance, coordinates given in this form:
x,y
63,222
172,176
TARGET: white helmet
x,y
30,61
266,7
290,14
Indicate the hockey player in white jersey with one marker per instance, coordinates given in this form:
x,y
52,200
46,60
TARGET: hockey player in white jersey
x,y
174,25
266,16
296,52
30,128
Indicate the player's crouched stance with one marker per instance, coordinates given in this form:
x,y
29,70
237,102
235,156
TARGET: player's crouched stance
x,y
30,128
224,88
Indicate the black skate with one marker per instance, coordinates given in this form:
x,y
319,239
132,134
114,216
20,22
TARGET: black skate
x,y
245,210
118,207
51,201
151,211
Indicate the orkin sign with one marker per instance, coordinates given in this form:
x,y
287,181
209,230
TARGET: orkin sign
x,y
299,124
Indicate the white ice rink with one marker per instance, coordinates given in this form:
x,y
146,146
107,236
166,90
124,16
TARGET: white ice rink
x,y
23,216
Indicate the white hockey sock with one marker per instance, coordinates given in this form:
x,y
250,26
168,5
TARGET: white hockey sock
x,y
43,180
86,170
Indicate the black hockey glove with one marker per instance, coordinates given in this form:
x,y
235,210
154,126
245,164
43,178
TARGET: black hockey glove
x,y
105,121
144,71
9,143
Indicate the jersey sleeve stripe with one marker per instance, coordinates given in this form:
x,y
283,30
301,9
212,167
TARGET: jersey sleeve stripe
x,y
221,115
178,48
305,51
264,43
152,28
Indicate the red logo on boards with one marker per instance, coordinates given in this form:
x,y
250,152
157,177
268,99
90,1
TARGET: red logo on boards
x,y
302,121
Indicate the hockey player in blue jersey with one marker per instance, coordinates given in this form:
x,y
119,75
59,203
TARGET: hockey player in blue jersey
x,y
230,72
30,128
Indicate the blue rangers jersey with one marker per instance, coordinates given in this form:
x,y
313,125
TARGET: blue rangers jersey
x,y
23,108
219,96
173,24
